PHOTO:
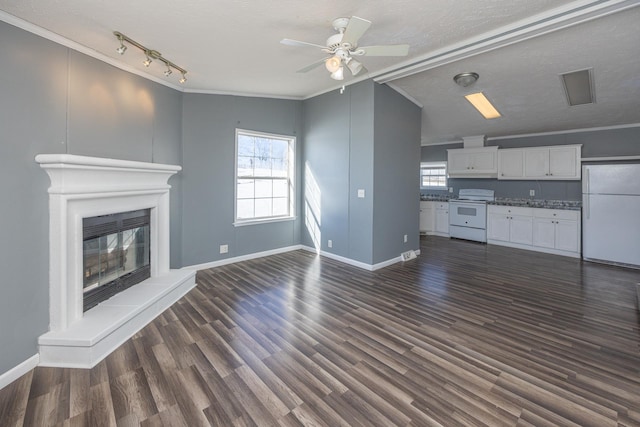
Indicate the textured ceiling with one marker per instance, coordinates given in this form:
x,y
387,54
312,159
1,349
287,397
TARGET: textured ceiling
x,y
231,46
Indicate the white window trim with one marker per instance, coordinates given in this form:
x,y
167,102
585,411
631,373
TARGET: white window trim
x,y
435,164
292,178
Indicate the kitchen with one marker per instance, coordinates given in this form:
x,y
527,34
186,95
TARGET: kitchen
x,y
523,205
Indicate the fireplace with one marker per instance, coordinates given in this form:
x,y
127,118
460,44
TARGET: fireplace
x,y
91,257
115,254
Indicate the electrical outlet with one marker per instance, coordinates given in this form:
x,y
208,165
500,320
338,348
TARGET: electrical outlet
x,y
450,189
330,243
405,238
532,193
361,194
224,249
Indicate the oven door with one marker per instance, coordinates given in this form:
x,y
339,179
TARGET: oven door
x,y
468,214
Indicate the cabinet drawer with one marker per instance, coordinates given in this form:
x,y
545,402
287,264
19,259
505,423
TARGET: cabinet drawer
x,y
442,206
557,214
512,210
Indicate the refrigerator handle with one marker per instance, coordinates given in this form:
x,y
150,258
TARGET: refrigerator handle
x,y
585,181
586,207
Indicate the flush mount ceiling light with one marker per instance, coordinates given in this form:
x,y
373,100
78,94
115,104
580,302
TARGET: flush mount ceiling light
x,y
150,55
466,79
578,87
482,104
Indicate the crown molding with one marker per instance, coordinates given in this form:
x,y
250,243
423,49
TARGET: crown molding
x,y
553,20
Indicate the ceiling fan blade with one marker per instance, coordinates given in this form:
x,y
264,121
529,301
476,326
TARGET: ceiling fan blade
x,y
298,43
312,66
355,29
389,50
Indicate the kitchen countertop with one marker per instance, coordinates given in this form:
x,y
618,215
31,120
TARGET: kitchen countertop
x,y
434,198
572,205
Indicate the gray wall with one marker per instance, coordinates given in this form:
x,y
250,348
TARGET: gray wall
x,y
55,100
326,149
396,176
602,143
367,138
208,138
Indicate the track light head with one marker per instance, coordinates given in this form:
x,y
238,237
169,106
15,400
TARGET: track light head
x,y
122,49
183,80
168,71
147,61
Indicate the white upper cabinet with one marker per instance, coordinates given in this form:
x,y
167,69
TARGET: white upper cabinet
x,y
561,162
511,163
480,162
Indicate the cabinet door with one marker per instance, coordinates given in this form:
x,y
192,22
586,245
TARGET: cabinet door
x,y
521,229
544,232
567,236
510,164
536,163
498,227
442,220
458,161
426,216
564,162
484,162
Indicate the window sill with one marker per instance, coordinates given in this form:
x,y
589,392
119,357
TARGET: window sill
x,y
263,221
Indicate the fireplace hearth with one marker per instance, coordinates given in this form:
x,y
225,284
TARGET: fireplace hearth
x,y
86,195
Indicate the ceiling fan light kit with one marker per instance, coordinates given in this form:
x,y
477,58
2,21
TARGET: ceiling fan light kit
x,y
150,55
344,45
338,74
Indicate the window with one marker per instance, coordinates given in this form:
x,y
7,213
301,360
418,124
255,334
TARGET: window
x,y
264,177
433,176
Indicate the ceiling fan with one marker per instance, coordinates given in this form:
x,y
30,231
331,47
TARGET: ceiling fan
x,y
342,48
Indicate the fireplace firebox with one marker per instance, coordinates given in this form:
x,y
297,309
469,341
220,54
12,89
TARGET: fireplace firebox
x,y
115,254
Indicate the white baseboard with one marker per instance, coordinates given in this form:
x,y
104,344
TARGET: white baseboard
x,y
345,260
13,374
359,264
247,257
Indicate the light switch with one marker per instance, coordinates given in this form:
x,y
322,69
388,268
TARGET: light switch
x,y
361,194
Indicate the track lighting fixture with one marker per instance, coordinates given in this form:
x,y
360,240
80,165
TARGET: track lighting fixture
x,y
150,55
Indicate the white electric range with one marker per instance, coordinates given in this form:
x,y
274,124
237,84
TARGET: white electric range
x,y
468,214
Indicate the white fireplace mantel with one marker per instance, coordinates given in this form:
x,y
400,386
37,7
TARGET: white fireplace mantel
x,y
83,187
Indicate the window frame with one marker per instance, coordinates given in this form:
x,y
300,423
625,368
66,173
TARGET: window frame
x,y
442,164
291,179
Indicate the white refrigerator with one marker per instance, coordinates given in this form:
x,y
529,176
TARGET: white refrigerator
x,y
611,213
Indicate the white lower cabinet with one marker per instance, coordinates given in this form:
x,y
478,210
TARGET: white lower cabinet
x,y
427,217
509,224
442,218
557,229
434,218
546,230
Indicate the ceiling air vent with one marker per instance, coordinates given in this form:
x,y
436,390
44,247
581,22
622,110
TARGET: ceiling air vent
x,y
578,87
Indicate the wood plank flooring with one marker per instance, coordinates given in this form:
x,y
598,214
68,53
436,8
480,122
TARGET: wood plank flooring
x,y
466,335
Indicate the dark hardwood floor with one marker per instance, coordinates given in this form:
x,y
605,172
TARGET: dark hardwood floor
x,y
465,335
